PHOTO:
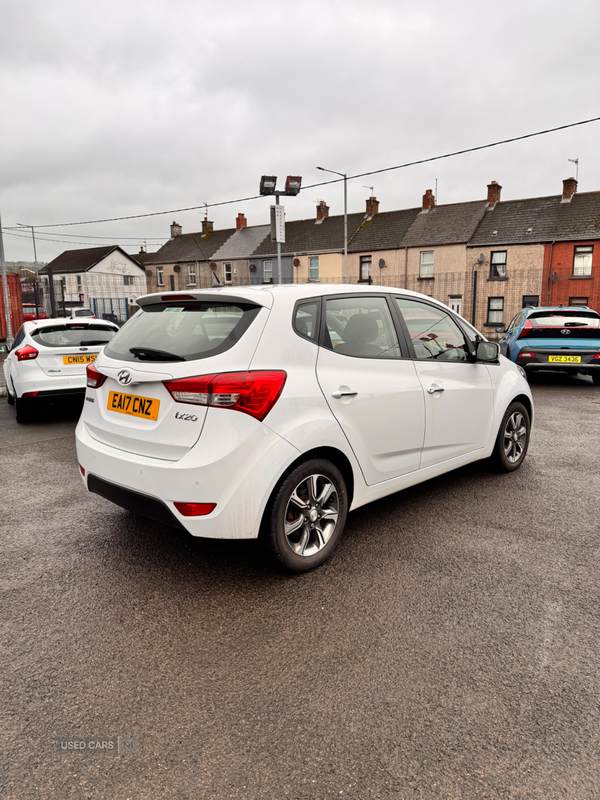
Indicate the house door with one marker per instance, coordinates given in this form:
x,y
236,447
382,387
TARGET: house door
x,y
455,303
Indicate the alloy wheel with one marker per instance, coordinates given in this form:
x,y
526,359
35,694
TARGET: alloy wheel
x,y
311,515
515,437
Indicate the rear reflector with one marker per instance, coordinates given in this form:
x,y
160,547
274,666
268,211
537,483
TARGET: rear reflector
x,y
26,353
526,355
597,355
30,394
95,379
81,469
195,509
254,393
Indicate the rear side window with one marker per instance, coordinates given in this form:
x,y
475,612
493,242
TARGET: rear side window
x,y
73,335
184,331
306,320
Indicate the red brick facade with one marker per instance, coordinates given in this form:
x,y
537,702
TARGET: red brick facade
x,y
559,258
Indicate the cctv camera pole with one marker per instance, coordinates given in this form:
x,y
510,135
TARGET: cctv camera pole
x,y
9,336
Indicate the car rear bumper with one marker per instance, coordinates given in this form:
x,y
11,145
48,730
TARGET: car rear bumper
x,y
531,358
239,477
48,387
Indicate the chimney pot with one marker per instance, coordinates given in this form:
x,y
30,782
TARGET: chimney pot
x,y
322,210
207,227
241,222
372,206
569,189
493,195
428,200
175,230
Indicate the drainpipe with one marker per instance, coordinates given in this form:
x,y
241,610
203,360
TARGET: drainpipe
x,y
406,267
549,273
474,296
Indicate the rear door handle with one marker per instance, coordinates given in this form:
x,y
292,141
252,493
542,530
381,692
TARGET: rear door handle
x,y
339,393
434,389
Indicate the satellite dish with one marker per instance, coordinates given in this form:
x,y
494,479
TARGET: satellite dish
x,y
213,266
381,263
554,277
148,273
176,268
296,262
252,267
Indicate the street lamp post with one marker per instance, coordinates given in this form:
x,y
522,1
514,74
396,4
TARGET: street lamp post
x,y
267,187
345,262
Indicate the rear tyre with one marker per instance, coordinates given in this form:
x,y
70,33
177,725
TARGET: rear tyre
x,y
513,438
22,410
596,378
9,398
306,515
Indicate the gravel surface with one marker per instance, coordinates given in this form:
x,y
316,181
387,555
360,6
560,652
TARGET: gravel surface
x,y
450,649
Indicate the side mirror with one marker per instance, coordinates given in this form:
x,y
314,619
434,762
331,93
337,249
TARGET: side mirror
x,y
500,328
3,349
487,351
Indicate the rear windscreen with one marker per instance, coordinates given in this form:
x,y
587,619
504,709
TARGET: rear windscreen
x,y
73,335
182,332
565,319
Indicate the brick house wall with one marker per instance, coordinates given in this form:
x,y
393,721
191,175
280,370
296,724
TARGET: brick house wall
x,y
559,258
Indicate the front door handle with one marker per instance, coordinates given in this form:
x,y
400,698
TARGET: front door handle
x,y
434,389
347,393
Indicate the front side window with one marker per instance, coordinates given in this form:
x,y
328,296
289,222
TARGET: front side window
x,y
361,326
433,332
426,270
498,265
495,310
160,276
182,331
268,271
227,272
192,275
365,268
582,261
313,268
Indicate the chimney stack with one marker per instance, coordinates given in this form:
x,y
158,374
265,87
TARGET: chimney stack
x,y
322,210
241,222
372,206
175,230
207,227
428,200
569,189
493,197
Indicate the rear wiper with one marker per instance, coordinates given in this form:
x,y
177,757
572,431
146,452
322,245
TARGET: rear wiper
x,y
149,354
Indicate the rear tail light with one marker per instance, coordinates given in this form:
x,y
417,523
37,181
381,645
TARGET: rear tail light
x,y
195,509
26,353
597,355
254,393
526,355
526,328
95,379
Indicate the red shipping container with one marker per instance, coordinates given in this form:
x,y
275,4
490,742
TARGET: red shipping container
x,y
16,307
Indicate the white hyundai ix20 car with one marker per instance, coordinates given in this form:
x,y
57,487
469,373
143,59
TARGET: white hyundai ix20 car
x,y
274,410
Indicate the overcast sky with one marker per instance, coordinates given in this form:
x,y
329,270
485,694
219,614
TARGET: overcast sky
x,y
118,108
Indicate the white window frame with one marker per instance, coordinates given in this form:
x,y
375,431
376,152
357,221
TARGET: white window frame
x,y
313,269
426,264
160,276
498,265
455,303
495,309
267,271
366,264
192,275
227,272
582,261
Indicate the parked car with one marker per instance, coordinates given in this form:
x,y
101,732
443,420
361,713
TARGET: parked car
x,y
554,338
292,406
48,358
29,312
77,313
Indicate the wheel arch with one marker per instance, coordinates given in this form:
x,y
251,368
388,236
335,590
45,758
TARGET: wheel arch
x,y
522,398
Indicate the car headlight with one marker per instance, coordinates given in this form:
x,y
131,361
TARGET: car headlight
x,y
521,370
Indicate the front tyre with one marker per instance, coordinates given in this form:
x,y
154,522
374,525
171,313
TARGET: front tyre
x,y
596,378
513,438
306,515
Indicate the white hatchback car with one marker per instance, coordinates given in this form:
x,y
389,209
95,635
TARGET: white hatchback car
x,y
274,410
48,358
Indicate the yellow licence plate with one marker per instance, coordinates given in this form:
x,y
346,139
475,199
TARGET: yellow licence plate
x,y
564,359
79,359
146,407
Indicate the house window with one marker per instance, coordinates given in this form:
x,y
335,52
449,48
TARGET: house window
x,y
160,276
426,264
498,265
582,261
227,272
268,271
495,310
192,275
578,301
313,268
128,280
365,268
78,282
531,300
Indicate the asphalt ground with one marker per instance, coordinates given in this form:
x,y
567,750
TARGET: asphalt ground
x,y
450,649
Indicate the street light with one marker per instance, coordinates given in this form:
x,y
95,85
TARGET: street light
x,y
267,187
345,262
